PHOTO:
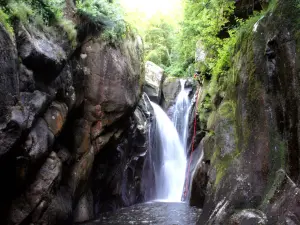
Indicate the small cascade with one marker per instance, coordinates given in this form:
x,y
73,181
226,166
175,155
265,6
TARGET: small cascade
x,y
180,116
171,173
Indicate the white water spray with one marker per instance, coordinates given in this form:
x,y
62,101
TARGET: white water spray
x,y
181,113
171,177
169,145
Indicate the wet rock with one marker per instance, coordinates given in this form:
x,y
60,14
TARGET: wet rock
x,y
59,211
39,52
22,117
191,84
170,89
56,116
39,193
101,141
248,217
64,86
196,130
64,155
33,104
27,83
38,141
82,138
80,173
199,183
121,172
154,76
84,209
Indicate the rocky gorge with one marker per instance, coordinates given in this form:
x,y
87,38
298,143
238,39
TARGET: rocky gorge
x,y
77,123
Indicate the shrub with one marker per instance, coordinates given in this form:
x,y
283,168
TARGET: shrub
x,y
4,20
101,15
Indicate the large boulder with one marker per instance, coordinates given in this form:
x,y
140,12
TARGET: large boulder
x,y
114,74
172,86
40,51
154,76
113,78
170,89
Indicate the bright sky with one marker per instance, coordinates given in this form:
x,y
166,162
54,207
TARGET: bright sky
x,y
151,7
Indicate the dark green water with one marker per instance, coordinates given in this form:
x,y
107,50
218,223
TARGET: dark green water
x,y
162,213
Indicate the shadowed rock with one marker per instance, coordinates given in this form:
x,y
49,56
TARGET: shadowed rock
x,y
39,52
39,193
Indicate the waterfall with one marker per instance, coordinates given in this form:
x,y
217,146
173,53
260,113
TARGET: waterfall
x,y
168,144
181,113
170,177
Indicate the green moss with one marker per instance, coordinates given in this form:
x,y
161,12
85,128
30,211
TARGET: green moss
x,y
211,121
227,109
20,10
208,145
69,27
278,181
4,20
221,164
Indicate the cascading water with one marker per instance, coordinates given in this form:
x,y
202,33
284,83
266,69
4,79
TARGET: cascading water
x,y
171,142
180,116
170,177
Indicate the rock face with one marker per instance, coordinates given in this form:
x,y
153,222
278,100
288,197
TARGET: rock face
x,y
154,76
9,94
120,170
170,89
39,52
253,148
113,79
61,112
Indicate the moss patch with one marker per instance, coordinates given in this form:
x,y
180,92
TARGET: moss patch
x,y
4,20
44,14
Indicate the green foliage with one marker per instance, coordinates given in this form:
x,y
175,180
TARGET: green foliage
x,y
69,27
159,37
20,10
43,13
4,19
203,20
103,15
